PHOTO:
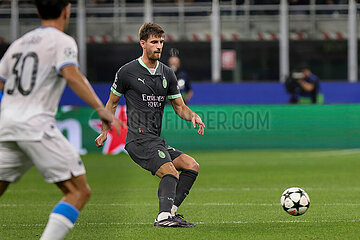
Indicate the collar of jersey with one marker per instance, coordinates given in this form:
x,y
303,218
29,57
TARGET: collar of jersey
x,y
143,64
42,27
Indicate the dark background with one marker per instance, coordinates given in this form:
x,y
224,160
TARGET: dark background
x,y
259,61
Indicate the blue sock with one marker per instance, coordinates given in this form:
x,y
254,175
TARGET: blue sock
x,y
61,221
67,210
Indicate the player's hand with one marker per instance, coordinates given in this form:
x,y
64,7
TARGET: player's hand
x,y
107,118
196,120
100,140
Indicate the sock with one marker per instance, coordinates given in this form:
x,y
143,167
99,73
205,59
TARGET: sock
x,y
163,215
173,210
166,193
186,180
61,221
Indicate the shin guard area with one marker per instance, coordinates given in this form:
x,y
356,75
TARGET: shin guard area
x,y
166,192
187,179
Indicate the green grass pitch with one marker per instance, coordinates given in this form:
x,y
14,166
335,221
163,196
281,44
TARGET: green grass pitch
x,y
235,197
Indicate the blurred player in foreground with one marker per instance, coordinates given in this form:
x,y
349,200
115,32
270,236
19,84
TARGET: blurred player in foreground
x,y
32,73
146,82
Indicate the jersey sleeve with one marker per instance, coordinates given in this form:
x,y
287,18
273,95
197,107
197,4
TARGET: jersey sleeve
x,y
119,86
66,53
4,67
173,90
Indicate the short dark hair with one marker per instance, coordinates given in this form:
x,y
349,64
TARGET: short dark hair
x,y
148,29
50,9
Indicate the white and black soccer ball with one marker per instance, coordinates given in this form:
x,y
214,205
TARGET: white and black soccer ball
x,y
295,201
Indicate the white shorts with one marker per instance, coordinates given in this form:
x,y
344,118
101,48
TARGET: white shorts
x,y
53,156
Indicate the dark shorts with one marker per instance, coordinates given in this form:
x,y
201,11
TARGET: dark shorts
x,y
151,154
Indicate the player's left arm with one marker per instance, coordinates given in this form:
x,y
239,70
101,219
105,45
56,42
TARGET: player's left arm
x,y
187,114
1,85
179,106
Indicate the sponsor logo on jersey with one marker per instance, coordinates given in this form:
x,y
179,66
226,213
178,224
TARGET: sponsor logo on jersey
x,y
153,100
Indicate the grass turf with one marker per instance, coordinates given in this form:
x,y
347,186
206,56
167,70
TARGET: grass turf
x,y
235,197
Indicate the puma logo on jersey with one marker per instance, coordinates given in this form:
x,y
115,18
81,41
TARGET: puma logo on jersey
x,y
170,148
141,80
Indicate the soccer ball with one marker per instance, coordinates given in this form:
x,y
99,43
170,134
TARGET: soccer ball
x,y
295,201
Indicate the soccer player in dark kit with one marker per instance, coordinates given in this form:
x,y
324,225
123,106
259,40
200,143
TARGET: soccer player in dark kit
x,y
146,83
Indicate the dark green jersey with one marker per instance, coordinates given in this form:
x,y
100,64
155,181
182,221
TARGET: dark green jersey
x,y
145,94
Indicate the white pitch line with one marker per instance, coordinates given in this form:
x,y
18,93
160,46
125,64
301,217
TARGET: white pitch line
x,y
341,204
185,204
233,189
198,223
293,155
267,204
324,153
272,189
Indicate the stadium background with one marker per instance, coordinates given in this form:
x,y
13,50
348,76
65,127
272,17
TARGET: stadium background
x,y
255,145
236,53
265,43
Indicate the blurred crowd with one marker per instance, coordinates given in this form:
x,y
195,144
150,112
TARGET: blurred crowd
x,y
29,3
257,2
273,11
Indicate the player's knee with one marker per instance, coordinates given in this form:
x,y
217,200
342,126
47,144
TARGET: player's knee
x,y
167,168
193,165
196,166
175,173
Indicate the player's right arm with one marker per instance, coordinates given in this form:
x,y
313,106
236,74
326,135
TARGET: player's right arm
x,y
81,86
1,85
111,107
118,88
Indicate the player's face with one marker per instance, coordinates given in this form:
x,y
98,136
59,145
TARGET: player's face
x,y
153,47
